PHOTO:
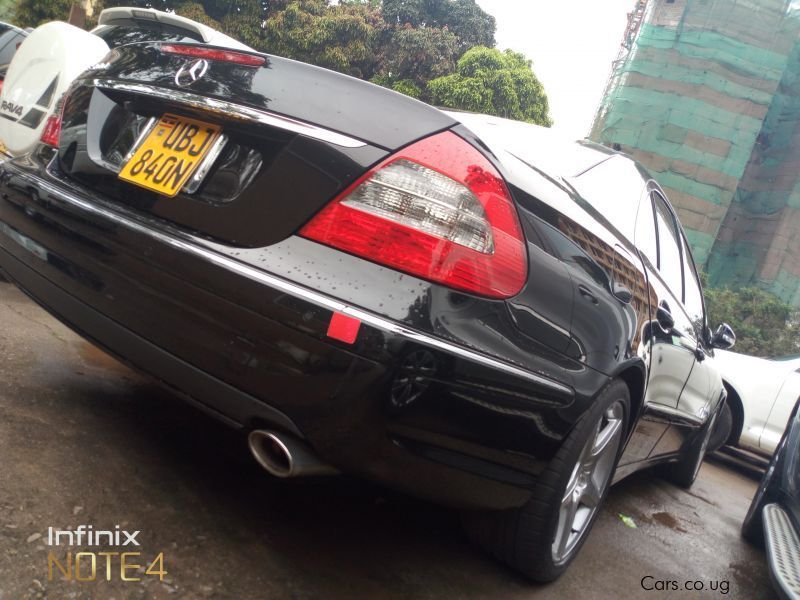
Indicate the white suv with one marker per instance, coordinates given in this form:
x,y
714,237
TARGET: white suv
x,y
761,396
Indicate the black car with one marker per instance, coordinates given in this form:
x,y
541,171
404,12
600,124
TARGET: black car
x,y
455,305
774,513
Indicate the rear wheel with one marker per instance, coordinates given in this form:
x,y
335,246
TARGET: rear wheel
x,y
541,538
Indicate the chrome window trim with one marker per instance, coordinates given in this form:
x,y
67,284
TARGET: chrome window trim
x,y
294,289
231,109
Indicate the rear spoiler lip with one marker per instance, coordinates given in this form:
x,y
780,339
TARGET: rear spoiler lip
x,y
206,33
225,107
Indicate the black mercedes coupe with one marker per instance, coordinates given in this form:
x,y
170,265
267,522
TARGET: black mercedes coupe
x,y
459,306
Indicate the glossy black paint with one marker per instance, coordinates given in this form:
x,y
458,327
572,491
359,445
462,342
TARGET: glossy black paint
x,y
223,302
302,91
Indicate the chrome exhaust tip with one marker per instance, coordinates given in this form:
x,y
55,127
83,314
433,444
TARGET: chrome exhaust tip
x,y
285,456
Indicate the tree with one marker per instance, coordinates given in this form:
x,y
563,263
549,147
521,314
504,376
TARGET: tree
x,y
764,324
32,13
410,57
493,82
340,37
464,18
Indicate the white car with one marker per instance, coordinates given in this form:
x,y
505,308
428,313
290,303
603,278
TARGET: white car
x,y
761,395
54,54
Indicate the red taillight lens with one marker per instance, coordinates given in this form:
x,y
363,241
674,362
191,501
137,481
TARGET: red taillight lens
x,y
52,127
231,56
437,209
52,130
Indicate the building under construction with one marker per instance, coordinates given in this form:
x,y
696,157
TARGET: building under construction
x,y
706,94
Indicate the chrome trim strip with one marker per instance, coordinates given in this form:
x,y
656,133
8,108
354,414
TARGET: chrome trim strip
x,y
305,293
229,109
149,125
205,166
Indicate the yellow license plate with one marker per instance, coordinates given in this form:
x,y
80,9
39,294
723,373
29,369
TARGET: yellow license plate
x,y
170,154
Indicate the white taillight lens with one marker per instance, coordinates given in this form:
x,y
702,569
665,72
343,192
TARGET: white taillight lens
x,y
437,209
413,195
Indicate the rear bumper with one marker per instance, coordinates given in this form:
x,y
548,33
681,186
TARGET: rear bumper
x,y
783,551
251,348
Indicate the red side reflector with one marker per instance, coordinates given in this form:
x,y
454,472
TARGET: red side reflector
x,y
52,130
344,328
231,56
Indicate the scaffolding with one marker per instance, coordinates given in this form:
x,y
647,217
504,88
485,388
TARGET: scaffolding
x,y
706,94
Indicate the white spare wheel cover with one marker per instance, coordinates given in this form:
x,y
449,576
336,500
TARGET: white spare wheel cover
x,y
49,59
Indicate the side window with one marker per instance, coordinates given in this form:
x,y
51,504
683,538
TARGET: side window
x,y
645,236
669,251
693,295
614,188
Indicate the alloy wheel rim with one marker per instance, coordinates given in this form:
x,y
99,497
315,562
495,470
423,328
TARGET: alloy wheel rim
x,y
588,481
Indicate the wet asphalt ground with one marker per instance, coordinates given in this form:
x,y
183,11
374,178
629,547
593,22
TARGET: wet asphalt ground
x,y
85,441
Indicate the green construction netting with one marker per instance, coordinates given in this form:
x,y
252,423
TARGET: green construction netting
x,y
708,98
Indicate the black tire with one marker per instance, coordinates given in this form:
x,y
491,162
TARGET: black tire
x,y
684,472
753,525
722,430
523,538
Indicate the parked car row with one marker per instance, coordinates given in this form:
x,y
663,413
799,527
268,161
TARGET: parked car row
x,y
459,306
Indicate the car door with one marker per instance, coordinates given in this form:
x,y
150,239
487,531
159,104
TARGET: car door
x,y
788,395
673,349
704,384
670,356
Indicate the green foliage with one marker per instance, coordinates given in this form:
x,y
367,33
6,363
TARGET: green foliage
x,y
493,82
32,13
764,325
404,86
7,11
340,37
418,54
196,12
464,18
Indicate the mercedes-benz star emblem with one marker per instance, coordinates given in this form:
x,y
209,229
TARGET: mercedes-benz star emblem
x,y
191,72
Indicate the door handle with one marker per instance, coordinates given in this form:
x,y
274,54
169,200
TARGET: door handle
x,y
586,293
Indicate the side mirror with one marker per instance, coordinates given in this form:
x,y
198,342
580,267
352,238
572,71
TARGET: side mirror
x,y
664,317
723,338
622,293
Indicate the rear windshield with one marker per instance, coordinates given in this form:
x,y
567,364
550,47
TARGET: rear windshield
x,y
130,31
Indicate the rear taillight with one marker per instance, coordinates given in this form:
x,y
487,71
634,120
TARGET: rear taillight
x,y
52,130
231,56
437,209
52,127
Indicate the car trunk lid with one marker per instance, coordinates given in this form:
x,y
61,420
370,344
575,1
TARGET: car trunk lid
x,y
295,135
